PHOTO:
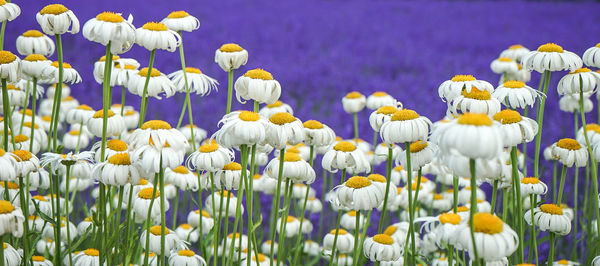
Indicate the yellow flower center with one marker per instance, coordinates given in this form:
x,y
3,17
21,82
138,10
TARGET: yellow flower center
x,y
515,47
551,209
514,84
74,132
377,178
462,209
530,180
282,118
418,146
100,114
293,150
230,48
116,145
312,124
64,64
209,147
462,78
550,48
23,155
569,144
380,94
119,159
186,252
84,107
156,124
178,14
505,59
32,33
387,110
146,193
232,166
581,70
477,94
6,207
193,70
358,182
291,157
438,196
291,219
144,72
352,213
7,57
54,9
275,104
248,116
339,232
474,119
11,185
155,26
487,223
259,73
38,258
91,252
110,17
507,116
143,182
404,114
35,57
157,230
353,95
114,57
390,230
181,170
593,127
237,235
226,193
20,138
39,198
383,239
257,176
398,168
344,146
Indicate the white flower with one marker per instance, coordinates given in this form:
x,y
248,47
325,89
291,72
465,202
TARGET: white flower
x,y
158,85
230,176
197,81
494,238
405,126
450,89
294,168
532,186
516,129
379,99
181,21
471,135
33,66
570,103
109,27
549,217
284,128
66,91
11,219
516,52
241,128
276,107
591,56
141,203
503,65
359,193
10,66
421,153
35,42
262,260
381,116
187,233
399,232
208,222
9,11
292,227
121,72
569,152
257,85
70,75
345,155
172,242
48,232
515,94
318,134
582,79
354,102
185,257
381,247
227,209
210,157
344,244
476,101
8,164
348,220
551,57
158,133
154,36
231,56
182,178
116,171
313,205
56,19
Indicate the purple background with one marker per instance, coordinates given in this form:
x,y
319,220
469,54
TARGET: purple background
x,y
320,50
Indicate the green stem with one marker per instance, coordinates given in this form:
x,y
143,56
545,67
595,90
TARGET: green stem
x,y
276,200
533,234
594,167
2,33
455,193
299,244
175,207
551,255
238,210
355,121
409,257
58,90
123,100
217,226
2,250
337,228
127,222
25,104
494,195
554,179
388,169
576,217
519,211
356,237
563,174
67,179
230,94
33,112
473,208
163,210
287,198
5,112
23,201
540,121
144,104
148,220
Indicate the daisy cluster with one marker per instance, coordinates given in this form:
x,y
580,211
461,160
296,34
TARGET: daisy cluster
x,y
80,186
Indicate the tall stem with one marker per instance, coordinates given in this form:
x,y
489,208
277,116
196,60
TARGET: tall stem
x,y
533,234
409,258
337,228
540,121
67,179
26,246
276,199
473,209
58,91
551,255
388,169
163,211
33,113
5,112
144,104
355,122
230,93
519,211
494,195
563,174
594,165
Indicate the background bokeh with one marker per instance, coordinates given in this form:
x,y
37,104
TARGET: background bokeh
x,y
320,50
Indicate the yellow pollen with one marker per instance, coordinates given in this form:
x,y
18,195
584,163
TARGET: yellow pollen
x,y
462,209
20,138
515,47
398,190
339,232
383,239
293,150
143,182
39,198
593,127
550,48
7,57
38,258
226,193
110,17
358,182
232,166
12,87
186,253
144,72
474,119
282,118
404,114
181,170
344,146
487,223
505,59
390,230
65,64
380,94
146,193
156,230
387,110
551,209
193,70
54,9
91,252
569,144
84,107
507,116
178,14
418,146
312,124
563,262
74,132
156,124
155,26
28,112
462,78
114,57
353,95
23,155
35,57
230,48
119,159
248,116
116,145
530,180
377,178
11,185
100,114
209,147
413,186
514,84
352,213
477,94
291,157
237,235
46,118
291,219
32,33
275,104
68,98
398,168
259,73
581,70
6,207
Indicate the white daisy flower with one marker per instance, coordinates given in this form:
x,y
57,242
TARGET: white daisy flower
x,y
294,168
503,65
56,19
197,81
210,157
39,179
482,205
116,171
230,176
235,241
593,132
276,107
348,220
224,210
381,247
317,134
494,238
549,217
569,152
284,128
187,233
570,103
476,101
532,186
405,126
293,226
79,115
441,203
421,153
380,116
152,258
99,69
124,69
241,128
109,27
181,21
70,75
185,257
399,232
48,232
40,261
473,136
591,57
172,242
159,134
516,129
66,91
257,85
551,57
231,56
113,146
354,102
345,155
564,262
33,66
10,66
450,89
26,162
158,85
155,35
142,200
208,222
34,42
380,154
344,244
8,164
380,99
11,219
359,193
515,94
48,245
22,142
313,205
582,79
299,191
182,178
261,260
516,52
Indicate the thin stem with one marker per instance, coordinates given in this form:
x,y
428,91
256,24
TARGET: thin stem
x,y
494,194
388,169
67,179
2,250
299,245
355,121
230,94
5,112
33,113
533,234
519,211
409,258
594,166
455,193
563,174
123,89
540,121
473,208
163,211
554,178
551,255
147,222
276,199
337,228
58,90
356,237
144,104
25,210
25,104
